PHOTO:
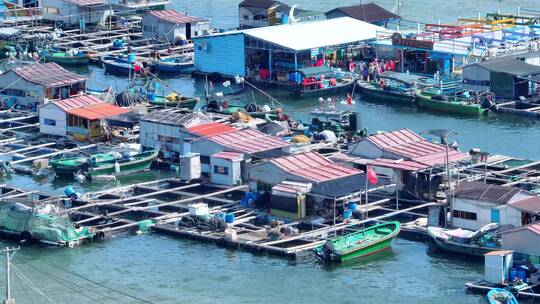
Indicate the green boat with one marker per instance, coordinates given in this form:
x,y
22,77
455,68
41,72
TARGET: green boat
x,y
394,87
175,102
358,244
69,166
47,223
127,165
449,103
67,58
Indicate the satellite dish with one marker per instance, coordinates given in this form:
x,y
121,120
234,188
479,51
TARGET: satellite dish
x,y
292,19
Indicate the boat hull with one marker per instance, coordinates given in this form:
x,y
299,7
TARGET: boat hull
x,y
326,91
75,60
387,96
128,167
365,251
188,103
174,68
118,69
492,296
426,102
460,248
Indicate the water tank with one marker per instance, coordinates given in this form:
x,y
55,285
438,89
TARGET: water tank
x,y
69,191
190,166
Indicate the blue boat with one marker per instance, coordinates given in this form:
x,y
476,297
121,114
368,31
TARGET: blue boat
x,y
175,65
118,65
501,296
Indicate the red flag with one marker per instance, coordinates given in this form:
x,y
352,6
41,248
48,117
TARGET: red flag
x,y
372,176
349,99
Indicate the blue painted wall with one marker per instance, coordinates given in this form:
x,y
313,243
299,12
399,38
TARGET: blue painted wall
x,y
222,54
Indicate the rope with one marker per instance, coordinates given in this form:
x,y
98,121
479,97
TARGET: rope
x,y
30,284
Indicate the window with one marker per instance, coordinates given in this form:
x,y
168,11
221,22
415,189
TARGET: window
x,y
465,215
168,139
49,122
52,10
221,170
205,159
246,17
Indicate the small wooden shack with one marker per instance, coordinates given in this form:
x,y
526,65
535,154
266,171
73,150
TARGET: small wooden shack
x,y
172,26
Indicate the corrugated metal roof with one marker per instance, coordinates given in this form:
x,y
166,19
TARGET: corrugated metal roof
x,y
177,119
405,165
313,166
291,187
369,12
249,141
265,4
530,205
486,192
510,66
77,102
534,228
173,16
211,129
47,74
316,34
97,111
229,155
412,146
86,2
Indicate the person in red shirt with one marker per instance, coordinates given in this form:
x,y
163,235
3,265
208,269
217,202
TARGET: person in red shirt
x,y
392,65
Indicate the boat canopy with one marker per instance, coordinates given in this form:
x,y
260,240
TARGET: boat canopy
x,y
315,71
407,79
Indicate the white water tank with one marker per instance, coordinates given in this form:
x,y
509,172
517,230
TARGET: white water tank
x,y
190,166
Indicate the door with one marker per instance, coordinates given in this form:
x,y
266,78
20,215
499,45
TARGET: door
x,y
495,215
188,31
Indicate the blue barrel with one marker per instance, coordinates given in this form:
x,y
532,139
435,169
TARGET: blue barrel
x,y
151,96
229,218
512,274
347,214
522,274
69,191
353,206
284,19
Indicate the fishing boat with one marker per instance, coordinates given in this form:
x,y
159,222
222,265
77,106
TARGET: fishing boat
x,y
122,66
463,103
66,57
70,166
328,117
501,296
126,165
316,81
174,65
47,223
393,87
360,243
476,243
174,100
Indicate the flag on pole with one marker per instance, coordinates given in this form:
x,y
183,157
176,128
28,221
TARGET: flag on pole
x,y
349,99
372,176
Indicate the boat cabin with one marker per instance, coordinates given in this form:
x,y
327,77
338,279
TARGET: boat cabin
x,y
171,26
477,204
81,117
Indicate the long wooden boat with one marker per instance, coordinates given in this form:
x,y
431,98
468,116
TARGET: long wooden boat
x,y
181,102
117,65
133,164
448,104
394,87
448,240
360,243
318,81
69,166
67,58
501,296
176,65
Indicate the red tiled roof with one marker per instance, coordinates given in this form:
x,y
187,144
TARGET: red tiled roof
x,y
97,111
211,129
530,205
228,155
534,228
313,166
249,141
173,16
412,146
77,102
47,74
86,2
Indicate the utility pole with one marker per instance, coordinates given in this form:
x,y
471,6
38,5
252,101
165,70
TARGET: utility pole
x,y
9,254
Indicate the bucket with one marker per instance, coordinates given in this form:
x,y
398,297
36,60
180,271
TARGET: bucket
x,y
347,214
69,191
229,218
353,206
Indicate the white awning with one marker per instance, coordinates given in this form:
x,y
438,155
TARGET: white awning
x,y
316,34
